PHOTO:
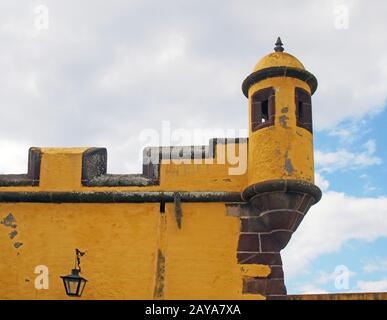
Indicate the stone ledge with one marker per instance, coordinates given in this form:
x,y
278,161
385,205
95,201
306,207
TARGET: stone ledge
x,y
31,178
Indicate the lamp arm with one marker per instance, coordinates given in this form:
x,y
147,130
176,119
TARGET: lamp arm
x,y
78,255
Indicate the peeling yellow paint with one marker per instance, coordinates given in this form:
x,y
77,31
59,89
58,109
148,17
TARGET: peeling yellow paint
x,y
255,270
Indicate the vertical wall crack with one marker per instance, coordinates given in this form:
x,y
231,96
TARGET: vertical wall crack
x,y
159,289
178,209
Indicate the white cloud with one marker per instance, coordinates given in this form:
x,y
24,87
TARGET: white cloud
x,y
13,157
321,182
344,159
368,186
370,147
326,277
375,265
336,219
310,289
344,134
372,286
340,278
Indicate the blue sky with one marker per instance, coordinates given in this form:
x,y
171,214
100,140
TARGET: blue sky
x,y
97,73
364,259
369,178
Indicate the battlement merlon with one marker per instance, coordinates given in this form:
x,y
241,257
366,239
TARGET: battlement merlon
x,y
165,169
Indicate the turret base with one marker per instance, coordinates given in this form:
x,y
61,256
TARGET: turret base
x,y
273,212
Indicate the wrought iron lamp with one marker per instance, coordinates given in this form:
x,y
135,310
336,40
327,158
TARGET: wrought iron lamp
x,y
75,284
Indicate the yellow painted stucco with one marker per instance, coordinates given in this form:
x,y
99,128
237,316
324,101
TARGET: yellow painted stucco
x,y
121,242
254,270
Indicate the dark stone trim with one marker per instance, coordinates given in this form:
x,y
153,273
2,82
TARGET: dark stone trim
x,y
120,180
298,186
268,258
249,243
94,163
341,296
94,172
276,272
31,179
117,197
156,154
272,72
276,297
263,286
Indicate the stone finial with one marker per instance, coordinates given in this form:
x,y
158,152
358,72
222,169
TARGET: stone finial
x,y
279,46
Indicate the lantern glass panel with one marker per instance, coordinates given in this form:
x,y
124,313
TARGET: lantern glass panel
x,y
72,285
82,284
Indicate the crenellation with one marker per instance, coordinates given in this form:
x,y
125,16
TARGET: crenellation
x,y
94,164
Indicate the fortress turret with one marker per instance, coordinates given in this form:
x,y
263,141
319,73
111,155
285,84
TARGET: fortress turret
x,y
280,187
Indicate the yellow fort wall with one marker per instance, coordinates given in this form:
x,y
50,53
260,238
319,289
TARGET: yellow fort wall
x,y
122,242
119,240
125,241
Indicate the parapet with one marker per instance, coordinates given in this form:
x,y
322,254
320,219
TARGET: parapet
x,y
86,168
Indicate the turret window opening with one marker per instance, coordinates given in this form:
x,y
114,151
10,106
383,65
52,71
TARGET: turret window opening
x,y
300,111
304,109
263,109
